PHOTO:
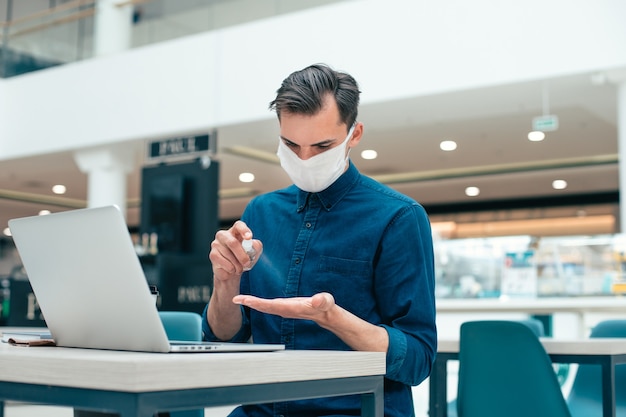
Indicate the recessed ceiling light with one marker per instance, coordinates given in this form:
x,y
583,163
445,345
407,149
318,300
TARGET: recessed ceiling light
x,y
447,145
44,212
246,177
369,154
59,189
536,136
7,231
559,184
472,191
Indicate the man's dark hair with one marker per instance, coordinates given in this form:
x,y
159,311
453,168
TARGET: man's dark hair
x,y
303,92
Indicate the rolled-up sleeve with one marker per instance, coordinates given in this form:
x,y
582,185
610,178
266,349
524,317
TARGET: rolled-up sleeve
x,y
243,335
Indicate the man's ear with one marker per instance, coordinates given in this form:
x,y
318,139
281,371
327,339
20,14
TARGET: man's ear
x,y
357,134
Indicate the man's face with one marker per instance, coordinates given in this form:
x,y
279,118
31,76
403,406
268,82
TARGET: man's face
x,y
308,136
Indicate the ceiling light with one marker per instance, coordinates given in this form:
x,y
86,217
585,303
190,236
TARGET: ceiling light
x,y
44,212
559,184
447,145
246,177
369,154
472,191
536,136
59,189
7,231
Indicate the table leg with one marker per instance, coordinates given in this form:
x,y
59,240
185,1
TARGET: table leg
x,y
373,404
438,387
608,387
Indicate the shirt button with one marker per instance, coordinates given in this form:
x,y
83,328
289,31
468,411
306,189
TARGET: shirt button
x,y
297,261
308,225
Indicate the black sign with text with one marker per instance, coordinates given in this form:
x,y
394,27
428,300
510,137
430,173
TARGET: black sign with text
x,y
186,145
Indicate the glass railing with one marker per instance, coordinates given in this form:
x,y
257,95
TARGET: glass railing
x,y
32,40
46,38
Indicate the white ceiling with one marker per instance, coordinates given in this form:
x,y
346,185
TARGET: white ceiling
x,y
489,124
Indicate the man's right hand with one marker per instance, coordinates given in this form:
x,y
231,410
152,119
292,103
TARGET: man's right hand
x,y
228,259
228,256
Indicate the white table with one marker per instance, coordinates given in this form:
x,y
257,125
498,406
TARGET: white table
x,y
140,384
540,306
606,352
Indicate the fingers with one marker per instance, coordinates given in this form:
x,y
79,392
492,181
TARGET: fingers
x,y
296,307
263,305
227,254
243,299
241,230
222,258
322,301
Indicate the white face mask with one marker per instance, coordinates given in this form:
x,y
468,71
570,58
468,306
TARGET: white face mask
x,y
318,172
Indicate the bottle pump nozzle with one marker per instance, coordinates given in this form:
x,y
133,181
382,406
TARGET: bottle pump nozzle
x,y
247,246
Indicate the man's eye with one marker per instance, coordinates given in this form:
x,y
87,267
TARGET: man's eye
x,y
323,146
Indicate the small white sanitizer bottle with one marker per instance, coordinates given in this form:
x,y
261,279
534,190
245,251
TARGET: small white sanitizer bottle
x,y
247,246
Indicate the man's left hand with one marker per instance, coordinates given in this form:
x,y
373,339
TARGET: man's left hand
x,y
314,308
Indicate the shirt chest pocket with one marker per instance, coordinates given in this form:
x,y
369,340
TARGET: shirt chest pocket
x,y
348,280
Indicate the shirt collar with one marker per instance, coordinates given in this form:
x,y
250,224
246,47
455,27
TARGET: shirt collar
x,y
334,193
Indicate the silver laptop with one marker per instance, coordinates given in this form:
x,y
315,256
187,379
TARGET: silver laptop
x,y
91,287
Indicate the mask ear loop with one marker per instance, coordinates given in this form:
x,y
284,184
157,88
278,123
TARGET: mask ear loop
x,y
351,130
348,138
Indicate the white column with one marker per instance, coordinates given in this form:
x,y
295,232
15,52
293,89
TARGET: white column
x,y
112,27
107,168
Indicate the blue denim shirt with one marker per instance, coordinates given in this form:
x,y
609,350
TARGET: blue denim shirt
x,y
371,248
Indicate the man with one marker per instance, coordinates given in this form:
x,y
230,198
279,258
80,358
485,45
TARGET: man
x,y
342,262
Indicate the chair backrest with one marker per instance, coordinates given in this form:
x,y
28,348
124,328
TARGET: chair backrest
x,y
505,371
585,397
535,325
182,325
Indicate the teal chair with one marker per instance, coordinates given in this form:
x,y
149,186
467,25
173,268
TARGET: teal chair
x,y
505,371
182,325
535,325
185,326
179,325
585,397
